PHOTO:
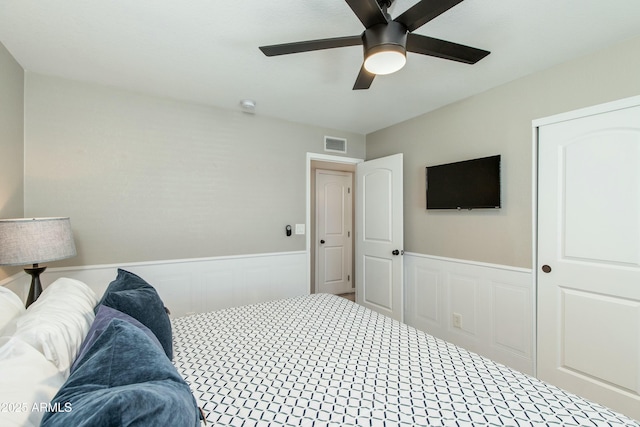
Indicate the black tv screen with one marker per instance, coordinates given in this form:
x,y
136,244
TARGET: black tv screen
x,y
470,184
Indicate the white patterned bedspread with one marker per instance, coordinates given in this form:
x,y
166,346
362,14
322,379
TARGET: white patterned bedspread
x,y
322,360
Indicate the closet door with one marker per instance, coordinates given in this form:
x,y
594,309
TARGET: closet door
x,y
589,256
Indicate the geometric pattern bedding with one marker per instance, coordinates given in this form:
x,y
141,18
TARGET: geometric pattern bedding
x,y
321,360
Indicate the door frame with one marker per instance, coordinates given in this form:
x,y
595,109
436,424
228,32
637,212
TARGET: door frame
x,y
309,194
536,124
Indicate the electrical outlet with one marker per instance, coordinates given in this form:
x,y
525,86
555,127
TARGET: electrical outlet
x,y
457,320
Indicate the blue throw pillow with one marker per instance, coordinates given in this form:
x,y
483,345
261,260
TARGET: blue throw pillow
x,y
124,380
103,318
132,295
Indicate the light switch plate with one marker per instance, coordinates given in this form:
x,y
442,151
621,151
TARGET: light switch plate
x,y
300,228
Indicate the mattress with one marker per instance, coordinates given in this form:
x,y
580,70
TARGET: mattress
x,y
322,360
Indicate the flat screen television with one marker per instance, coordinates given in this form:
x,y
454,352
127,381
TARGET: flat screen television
x,y
470,184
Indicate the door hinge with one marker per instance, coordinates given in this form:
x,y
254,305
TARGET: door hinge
x,y
348,190
348,234
348,277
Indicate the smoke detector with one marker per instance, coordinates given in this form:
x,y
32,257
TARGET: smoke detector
x,y
248,106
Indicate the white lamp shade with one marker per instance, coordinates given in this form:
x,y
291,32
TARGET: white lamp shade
x,y
385,61
33,241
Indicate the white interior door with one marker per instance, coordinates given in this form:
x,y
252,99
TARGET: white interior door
x,y
589,257
379,235
334,231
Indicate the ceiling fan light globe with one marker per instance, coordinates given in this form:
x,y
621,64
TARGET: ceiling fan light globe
x,y
385,62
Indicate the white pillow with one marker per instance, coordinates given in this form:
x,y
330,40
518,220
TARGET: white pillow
x,y
29,382
57,322
11,306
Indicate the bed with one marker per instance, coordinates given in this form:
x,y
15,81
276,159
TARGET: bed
x,y
72,359
324,360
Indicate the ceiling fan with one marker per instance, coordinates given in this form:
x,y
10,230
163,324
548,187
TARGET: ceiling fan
x,y
386,41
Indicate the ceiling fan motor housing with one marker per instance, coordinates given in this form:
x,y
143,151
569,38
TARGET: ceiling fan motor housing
x,y
384,36
385,49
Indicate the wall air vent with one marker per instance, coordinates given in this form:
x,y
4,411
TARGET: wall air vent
x,y
335,145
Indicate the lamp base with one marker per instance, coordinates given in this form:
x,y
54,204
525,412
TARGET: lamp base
x,y
36,286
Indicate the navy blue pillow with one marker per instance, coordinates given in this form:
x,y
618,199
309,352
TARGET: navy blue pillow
x,y
103,318
124,380
132,295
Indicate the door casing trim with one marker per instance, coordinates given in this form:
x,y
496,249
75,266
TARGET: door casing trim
x,y
325,158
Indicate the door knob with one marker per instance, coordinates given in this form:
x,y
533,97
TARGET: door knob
x,y
322,242
396,252
546,268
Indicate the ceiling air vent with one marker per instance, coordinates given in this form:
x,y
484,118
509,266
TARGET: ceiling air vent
x,y
335,145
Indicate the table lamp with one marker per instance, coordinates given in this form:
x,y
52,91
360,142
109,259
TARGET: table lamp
x,y
35,241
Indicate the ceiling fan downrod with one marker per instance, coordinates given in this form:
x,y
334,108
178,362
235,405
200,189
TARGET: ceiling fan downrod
x,y
384,5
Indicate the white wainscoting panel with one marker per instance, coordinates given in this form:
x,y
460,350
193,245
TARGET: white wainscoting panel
x,y
197,285
18,283
486,308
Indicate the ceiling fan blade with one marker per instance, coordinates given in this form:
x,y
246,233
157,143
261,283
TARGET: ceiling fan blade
x,y
364,79
444,49
423,12
310,45
368,12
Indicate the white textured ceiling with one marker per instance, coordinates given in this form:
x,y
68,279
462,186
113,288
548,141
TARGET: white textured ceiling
x,y
207,51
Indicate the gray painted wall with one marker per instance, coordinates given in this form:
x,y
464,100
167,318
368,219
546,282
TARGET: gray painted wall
x,y
145,178
497,122
11,142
